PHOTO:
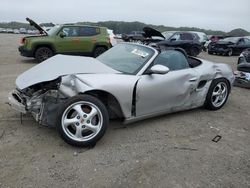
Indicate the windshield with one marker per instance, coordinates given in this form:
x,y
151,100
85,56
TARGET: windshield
x,y
230,39
126,58
167,34
53,30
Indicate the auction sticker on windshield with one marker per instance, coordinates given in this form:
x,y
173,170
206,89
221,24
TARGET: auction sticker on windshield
x,y
140,53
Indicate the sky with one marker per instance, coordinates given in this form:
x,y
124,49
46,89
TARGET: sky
x,y
222,15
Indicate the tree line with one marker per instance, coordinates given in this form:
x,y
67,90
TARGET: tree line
x,y
126,27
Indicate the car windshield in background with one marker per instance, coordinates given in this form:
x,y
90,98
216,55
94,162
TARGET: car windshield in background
x,y
126,58
53,30
230,39
167,34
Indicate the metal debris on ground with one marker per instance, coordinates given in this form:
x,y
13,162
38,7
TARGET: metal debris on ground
x,y
217,138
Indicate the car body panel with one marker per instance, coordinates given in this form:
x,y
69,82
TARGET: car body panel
x,y
139,95
60,65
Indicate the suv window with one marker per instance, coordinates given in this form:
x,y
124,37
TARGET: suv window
x,y
182,36
71,31
247,41
172,59
75,31
89,31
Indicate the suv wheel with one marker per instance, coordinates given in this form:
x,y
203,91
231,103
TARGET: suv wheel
x,y
43,53
230,52
98,51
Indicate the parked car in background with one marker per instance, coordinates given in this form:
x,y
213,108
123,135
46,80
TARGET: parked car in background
x,y
229,46
130,81
185,40
22,30
1,30
118,36
9,30
112,37
16,31
242,78
74,39
133,36
213,38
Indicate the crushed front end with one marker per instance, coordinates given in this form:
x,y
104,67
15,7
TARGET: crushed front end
x,y
40,100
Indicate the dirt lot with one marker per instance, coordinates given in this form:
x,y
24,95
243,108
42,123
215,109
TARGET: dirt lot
x,y
169,151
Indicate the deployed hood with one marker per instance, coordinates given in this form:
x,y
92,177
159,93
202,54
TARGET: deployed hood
x,y
61,65
38,27
150,32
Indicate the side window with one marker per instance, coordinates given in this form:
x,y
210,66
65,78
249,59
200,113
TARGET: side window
x,y
172,59
71,31
89,31
176,36
247,41
186,36
241,41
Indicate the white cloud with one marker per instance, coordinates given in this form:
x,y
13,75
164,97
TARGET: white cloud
x,y
214,14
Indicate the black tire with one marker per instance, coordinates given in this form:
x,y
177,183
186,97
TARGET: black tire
x,y
69,132
230,52
209,104
209,52
43,53
194,51
98,51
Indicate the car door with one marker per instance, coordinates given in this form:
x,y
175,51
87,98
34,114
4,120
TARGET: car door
x,y
168,92
68,40
242,44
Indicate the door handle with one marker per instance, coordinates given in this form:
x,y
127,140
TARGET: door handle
x,y
193,79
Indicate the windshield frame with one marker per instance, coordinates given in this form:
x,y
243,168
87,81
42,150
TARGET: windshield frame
x,y
142,67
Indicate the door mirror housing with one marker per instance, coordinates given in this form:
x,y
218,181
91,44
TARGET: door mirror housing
x,y
159,69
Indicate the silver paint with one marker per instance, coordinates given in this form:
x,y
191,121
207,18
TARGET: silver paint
x,y
155,94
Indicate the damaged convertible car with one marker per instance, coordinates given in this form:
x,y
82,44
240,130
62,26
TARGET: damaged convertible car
x,y
130,81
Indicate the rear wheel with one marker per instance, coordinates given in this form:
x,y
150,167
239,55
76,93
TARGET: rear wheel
x,y
230,52
217,94
82,120
43,53
98,51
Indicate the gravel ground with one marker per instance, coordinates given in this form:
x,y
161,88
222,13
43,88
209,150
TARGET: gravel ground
x,y
174,150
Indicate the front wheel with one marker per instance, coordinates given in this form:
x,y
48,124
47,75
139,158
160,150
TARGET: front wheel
x,y
82,120
43,53
217,94
230,52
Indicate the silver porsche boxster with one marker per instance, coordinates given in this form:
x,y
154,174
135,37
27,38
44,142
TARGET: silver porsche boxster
x,y
130,81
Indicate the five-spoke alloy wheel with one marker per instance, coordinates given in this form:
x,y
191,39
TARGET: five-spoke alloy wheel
x,y
83,120
217,94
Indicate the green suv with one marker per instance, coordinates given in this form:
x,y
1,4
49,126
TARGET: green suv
x,y
72,39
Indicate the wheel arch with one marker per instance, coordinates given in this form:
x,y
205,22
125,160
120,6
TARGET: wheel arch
x,y
48,45
110,101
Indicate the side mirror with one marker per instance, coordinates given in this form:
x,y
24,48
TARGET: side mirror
x,y
62,35
159,69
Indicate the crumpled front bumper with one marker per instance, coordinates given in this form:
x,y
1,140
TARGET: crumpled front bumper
x,y
16,102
